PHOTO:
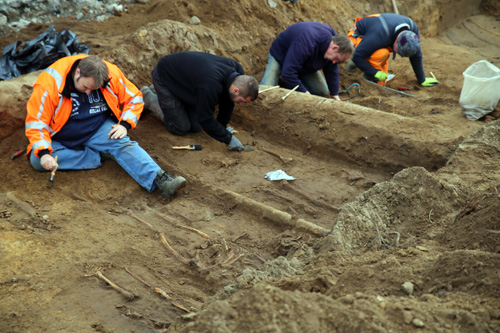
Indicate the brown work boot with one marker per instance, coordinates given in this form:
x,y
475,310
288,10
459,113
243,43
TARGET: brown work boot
x,y
169,185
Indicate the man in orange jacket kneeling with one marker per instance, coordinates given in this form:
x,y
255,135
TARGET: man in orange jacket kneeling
x,y
376,36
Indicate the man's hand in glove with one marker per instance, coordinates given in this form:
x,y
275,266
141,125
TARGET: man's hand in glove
x,y
429,82
381,76
235,144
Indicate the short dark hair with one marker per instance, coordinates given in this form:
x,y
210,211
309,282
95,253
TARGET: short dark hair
x,y
248,86
344,44
93,66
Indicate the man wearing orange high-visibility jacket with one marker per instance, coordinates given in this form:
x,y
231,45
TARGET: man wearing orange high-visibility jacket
x,y
82,107
376,36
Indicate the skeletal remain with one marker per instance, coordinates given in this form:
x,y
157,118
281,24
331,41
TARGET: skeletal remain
x,y
125,293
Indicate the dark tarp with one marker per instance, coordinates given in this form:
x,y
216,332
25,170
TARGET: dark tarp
x,y
39,53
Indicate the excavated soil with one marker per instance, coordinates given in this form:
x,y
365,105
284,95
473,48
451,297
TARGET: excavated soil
x,y
392,223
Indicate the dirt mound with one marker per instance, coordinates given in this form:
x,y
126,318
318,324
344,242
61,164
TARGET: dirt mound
x,y
391,224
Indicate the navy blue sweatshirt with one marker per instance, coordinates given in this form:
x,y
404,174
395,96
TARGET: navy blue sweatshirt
x,y
376,36
300,49
201,81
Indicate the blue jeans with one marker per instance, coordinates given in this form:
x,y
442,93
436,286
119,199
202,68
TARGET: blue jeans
x,y
315,83
128,154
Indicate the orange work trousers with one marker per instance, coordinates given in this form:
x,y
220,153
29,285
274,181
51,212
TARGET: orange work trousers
x,y
378,59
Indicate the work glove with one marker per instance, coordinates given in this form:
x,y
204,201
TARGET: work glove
x,y
381,76
429,82
235,144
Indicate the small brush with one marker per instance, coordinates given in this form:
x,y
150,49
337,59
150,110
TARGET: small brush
x,y
190,147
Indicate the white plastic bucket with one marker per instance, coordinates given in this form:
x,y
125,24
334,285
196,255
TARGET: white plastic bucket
x,y
481,89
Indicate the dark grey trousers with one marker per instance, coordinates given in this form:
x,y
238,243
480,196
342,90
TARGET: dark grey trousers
x,y
177,119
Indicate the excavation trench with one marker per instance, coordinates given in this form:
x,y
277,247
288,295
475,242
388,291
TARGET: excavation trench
x,y
406,190
360,135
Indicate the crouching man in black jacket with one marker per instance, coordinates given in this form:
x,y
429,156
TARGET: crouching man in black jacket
x,y
189,85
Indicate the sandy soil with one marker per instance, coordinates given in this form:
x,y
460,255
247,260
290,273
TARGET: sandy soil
x,y
392,223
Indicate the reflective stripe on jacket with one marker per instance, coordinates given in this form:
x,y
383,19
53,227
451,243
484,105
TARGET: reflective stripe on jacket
x,y
48,109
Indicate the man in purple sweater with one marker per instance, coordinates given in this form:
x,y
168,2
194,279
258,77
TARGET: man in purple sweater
x,y
299,53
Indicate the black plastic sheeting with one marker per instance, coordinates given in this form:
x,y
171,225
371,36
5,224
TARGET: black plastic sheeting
x,y
39,53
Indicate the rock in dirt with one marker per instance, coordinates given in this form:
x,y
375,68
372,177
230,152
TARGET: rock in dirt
x,y
407,287
417,323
